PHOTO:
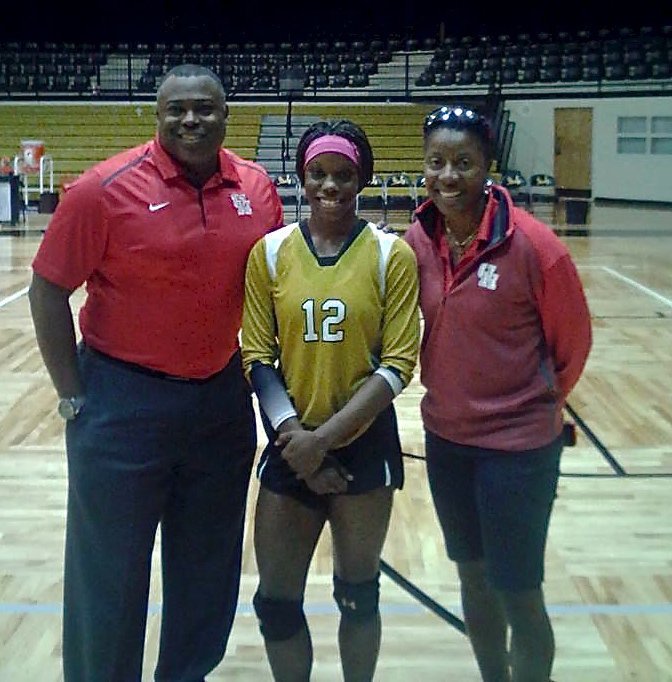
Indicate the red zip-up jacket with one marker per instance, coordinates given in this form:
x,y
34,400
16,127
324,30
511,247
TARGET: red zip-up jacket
x,y
507,333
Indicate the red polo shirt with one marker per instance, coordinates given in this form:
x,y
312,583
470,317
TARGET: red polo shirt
x,y
163,262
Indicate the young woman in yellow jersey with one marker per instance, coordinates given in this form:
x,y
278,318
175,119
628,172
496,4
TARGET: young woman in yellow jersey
x,y
330,337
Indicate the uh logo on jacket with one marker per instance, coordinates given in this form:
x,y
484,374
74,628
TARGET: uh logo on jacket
x,y
487,276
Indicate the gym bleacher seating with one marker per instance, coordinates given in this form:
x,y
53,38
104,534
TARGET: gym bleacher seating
x,y
543,61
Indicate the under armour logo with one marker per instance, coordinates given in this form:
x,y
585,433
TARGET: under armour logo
x,y
241,204
487,276
348,604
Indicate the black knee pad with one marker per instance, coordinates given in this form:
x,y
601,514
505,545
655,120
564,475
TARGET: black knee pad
x,y
357,601
278,618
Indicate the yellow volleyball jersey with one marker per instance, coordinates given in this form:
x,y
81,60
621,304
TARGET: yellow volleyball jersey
x,y
330,322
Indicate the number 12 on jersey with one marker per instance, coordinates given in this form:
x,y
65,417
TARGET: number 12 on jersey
x,y
335,309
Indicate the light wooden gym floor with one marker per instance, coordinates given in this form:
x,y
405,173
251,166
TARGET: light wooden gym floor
x,y
609,561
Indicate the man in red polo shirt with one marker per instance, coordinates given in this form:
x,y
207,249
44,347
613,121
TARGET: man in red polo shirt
x,y
159,419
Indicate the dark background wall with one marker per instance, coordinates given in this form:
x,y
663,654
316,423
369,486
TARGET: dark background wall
x,y
216,20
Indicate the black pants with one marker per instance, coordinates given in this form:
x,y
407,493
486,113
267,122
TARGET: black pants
x,y
144,451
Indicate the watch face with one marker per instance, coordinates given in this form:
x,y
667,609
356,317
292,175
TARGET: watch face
x,y
66,409
69,408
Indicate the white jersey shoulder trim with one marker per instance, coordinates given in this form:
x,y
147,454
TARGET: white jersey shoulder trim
x,y
385,242
273,241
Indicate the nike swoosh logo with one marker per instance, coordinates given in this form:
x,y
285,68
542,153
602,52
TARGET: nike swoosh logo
x,y
158,207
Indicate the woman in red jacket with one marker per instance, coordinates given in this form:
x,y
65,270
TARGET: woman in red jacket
x,y
507,334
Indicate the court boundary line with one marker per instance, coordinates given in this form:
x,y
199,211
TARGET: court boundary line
x,y
637,285
602,448
330,608
13,297
414,591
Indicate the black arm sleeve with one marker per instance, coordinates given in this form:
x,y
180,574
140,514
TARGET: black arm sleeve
x,y
272,394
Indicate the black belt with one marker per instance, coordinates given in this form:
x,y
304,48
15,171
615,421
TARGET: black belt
x,y
141,369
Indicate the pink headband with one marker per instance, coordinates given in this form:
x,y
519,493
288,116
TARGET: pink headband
x,y
334,144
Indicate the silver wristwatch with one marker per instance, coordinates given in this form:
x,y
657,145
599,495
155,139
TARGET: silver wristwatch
x,y
69,408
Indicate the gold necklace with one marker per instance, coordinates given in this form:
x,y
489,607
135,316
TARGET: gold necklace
x,y
461,245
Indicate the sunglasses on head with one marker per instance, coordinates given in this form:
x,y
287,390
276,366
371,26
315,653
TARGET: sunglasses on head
x,y
457,116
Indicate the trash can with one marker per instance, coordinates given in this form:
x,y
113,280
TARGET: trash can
x,y
576,211
575,203
48,202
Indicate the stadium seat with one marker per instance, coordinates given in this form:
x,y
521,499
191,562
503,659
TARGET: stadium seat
x,y
289,190
372,197
542,196
420,190
516,183
400,194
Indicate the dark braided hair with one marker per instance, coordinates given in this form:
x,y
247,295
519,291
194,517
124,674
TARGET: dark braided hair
x,y
343,128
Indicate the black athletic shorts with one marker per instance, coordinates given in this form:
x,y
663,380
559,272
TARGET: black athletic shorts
x,y
495,506
373,459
